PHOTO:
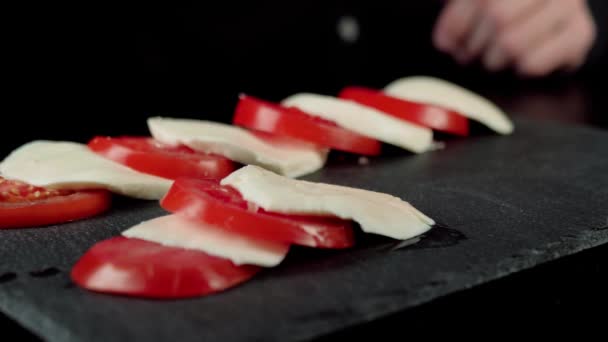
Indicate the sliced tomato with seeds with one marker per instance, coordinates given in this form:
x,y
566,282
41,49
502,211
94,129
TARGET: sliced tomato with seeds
x,y
256,114
225,207
423,114
135,267
149,156
23,205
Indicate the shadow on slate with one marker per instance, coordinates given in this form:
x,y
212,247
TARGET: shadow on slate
x,y
505,204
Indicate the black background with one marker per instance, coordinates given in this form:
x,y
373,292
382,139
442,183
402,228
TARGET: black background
x,y
73,71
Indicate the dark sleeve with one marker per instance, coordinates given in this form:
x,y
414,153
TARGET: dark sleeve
x,y
597,56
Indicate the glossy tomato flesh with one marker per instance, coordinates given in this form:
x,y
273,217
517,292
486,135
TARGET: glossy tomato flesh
x,y
427,115
23,205
140,268
149,156
264,116
225,207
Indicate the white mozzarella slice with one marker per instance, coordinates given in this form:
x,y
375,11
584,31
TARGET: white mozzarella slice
x,y
364,120
288,157
70,165
375,212
178,231
443,93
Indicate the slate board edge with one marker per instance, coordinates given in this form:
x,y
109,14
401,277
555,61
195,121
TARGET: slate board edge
x,y
48,326
525,263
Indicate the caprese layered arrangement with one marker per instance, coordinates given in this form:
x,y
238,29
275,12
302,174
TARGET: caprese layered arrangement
x,y
231,190
220,234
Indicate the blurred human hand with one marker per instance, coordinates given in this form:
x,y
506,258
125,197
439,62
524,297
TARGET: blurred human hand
x,y
534,37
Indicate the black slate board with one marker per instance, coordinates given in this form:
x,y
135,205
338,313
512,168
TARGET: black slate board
x,y
505,204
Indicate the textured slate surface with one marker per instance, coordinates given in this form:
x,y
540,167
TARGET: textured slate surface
x,y
505,203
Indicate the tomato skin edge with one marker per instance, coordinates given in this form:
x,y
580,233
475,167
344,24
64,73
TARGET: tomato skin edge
x,y
181,200
423,114
55,210
163,165
256,114
155,272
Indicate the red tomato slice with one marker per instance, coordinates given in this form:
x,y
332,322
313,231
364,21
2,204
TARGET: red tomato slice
x,y
427,115
23,205
149,156
135,267
268,117
225,207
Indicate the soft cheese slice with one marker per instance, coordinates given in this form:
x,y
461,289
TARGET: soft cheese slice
x,y
288,157
364,120
443,93
70,165
178,231
375,212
